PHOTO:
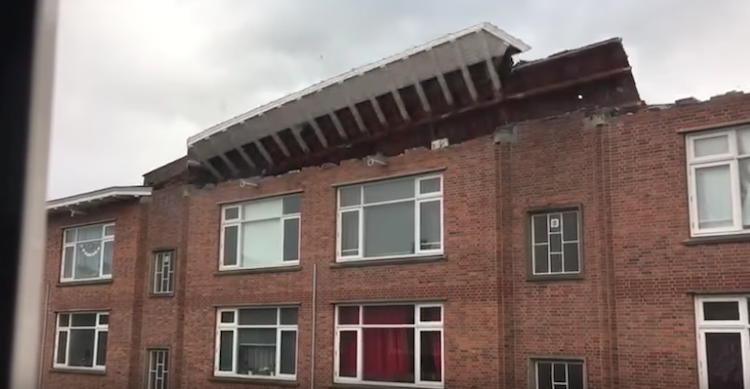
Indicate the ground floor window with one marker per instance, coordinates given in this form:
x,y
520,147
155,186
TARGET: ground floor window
x,y
559,374
158,369
257,342
723,346
81,340
390,343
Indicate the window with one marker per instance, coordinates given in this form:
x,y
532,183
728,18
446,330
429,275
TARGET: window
x,y
87,252
81,340
719,181
158,369
562,374
555,243
163,272
255,342
394,218
261,233
399,344
723,344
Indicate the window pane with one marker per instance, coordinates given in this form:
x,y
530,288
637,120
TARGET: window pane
x,y
288,316
107,258
350,196
350,233
348,315
69,235
230,245
347,354
261,243
724,361
429,314
544,375
714,196
64,319
68,262
711,146
256,351
260,316
559,373
430,185
540,228
575,376
62,346
743,140
103,319
101,349
231,213
388,314
555,263
388,354
288,352
89,233
721,310
555,243
389,190
570,226
225,350
291,204
744,166
291,239
227,317
88,259
82,348
571,259
555,222
84,319
389,229
263,209
541,259
429,225
431,358
109,230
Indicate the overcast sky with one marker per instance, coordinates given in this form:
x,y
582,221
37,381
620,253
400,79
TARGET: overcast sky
x,y
135,78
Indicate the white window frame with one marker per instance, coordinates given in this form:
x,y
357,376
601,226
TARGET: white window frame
x,y
235,326
162,273
534,244
103,239
98,329
238,222
152,353
731,159
419,326
418,199
740,326
567,362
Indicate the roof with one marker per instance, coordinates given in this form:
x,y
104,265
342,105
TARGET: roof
x,y
360,72
97,198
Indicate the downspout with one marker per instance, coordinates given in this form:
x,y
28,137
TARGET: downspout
x,y
314,317
44,335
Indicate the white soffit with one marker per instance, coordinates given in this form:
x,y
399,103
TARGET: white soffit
x,y
98,197
473,44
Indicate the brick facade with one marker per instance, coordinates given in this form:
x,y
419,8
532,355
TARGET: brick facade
x,y
630,316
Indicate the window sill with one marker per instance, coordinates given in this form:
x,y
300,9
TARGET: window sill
x,y
389,261
99,281
554,277
255,381
262,270
161,295
72,370
716,239
376,386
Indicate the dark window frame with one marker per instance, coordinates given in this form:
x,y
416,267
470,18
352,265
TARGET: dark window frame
x,y
529,242
534,360
152,284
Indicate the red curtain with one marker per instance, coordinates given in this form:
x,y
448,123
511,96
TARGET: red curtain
x,y
388,356
348,354
437,353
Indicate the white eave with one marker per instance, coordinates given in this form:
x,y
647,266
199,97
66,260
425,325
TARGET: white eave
x,y
454,51
100,197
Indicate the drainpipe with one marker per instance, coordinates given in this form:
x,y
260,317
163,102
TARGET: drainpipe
x,y
314,319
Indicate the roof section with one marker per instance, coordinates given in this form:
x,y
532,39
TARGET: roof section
x,y
97,198
359,72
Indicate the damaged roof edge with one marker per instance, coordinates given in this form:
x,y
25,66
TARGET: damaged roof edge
x,y
567,53
487,27
110,194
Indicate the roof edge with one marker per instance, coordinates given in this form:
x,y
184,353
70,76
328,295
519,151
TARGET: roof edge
x,y
114,191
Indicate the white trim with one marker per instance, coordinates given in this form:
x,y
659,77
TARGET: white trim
x,y
577,241
97,327
103,194
486,27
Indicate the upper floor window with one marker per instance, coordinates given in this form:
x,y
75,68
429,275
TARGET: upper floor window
x,y
559,374
260,233
163,277
555,248
87,252
81,340
719,181
394,218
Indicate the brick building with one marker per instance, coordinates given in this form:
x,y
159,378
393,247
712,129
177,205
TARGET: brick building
x,y
445,218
